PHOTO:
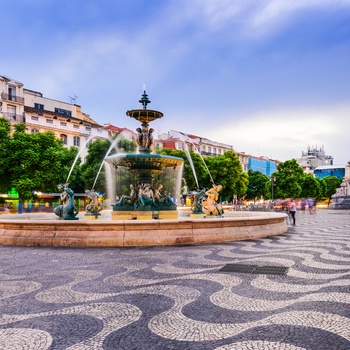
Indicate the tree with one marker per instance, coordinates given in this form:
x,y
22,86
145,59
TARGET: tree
x,y
287,179
310,187
332,183
5,139
39,162
258,185
97,151
194,174
227,171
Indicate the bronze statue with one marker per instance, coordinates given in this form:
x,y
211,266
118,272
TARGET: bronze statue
x,y
66,210
128,200
94,207
197,206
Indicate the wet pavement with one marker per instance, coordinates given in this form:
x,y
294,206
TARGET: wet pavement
x,y
287,292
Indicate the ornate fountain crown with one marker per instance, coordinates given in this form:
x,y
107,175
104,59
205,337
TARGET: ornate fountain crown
x,y
144,115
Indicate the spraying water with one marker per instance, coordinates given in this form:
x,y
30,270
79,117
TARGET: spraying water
x,y
205,165
113,145
78,155
187,152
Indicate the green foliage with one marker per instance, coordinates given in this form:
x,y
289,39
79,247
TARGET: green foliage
x,y
127,146
310,187
258,185
97,151
226,170
20,127
331,184
288,176
5,139
35,162
190,171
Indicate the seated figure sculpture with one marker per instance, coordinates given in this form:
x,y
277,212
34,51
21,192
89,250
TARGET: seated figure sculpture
x,y
128,200
146,195
161,199
213,207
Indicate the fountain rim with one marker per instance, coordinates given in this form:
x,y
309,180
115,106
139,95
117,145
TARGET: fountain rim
x,y
136,233
143,155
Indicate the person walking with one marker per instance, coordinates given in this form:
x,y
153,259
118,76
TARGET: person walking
x,y
293,210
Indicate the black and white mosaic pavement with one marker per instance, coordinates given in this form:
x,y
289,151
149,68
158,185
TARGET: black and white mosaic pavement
x,y
177,297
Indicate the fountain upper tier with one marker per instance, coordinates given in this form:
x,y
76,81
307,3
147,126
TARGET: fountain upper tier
x,y
144,115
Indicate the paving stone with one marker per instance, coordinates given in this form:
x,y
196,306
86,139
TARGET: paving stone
x,y
179,297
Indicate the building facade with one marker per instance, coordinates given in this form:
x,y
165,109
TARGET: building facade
x,y
42,114
181,141
330,170
313,158
11,100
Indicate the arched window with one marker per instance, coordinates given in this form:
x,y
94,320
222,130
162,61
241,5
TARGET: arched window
x,y
63,137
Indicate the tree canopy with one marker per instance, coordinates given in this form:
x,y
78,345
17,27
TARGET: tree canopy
x,y
32,162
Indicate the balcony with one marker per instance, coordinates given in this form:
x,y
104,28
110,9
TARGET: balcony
x,y
13,118
12,98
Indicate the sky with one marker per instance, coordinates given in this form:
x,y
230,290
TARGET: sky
x,y
269,77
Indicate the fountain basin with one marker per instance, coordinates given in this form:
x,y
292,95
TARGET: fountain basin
x,y
41,230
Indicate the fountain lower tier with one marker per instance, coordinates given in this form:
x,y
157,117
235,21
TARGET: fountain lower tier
x,y
144,206
36,230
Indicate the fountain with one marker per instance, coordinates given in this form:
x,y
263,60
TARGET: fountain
x,y
158,221
148,203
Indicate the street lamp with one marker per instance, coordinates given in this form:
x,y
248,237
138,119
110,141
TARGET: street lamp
x,y
273,180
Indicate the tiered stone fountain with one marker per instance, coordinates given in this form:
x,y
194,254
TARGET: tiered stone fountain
x,y
147,202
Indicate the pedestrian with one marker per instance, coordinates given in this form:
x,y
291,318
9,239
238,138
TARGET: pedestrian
x,y
293,210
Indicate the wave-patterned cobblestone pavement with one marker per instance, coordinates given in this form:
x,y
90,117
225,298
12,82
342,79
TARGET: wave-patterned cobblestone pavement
x,y
178,297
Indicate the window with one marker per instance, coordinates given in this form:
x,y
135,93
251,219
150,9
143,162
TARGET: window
x,y
34,131
12,93
219,150
209,149
63,111
33,117
214,150
39,106
49,121
75,126
76,141
63,137
88,128
63,123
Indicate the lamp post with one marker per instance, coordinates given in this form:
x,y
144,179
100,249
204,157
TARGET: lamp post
x,y
273,180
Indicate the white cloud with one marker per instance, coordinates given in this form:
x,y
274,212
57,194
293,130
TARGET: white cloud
x,y
284,134
252,18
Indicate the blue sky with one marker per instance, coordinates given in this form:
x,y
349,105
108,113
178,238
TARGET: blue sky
x,y
269,77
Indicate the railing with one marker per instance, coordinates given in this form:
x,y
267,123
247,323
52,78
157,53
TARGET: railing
x,y
18,118
12,98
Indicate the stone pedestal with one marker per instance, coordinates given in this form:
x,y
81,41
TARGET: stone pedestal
x,y
144,215
168,214
123,215
92,216
340,202
197,215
